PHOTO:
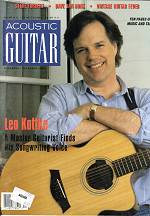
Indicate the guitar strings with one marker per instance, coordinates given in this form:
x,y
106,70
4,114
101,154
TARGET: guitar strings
x,y
130,157
101,181
120,161
93,174
105,169
93,178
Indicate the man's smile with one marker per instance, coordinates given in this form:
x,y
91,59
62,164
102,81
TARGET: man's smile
x,y
95,65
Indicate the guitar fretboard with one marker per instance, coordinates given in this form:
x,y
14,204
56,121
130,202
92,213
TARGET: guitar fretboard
x,y
132,163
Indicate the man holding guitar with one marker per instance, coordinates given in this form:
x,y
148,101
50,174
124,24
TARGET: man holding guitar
x,y
100,101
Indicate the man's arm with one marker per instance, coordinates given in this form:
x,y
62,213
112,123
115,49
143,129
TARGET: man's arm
x,y
126,122
135,123
86,130
53,108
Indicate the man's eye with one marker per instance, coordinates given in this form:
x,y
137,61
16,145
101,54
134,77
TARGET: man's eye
x,y
81,51
99,45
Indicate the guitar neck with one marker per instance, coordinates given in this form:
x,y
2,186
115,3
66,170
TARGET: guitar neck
x,y
131,163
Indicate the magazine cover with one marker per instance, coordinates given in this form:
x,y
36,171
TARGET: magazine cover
x,y
75,107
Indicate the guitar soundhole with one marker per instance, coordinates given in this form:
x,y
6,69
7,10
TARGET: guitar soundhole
x,y
99,175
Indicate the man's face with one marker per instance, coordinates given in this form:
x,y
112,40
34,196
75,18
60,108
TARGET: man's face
x,y
95,54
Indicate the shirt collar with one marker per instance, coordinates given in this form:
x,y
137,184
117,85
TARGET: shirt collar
x,y
123,86
82,87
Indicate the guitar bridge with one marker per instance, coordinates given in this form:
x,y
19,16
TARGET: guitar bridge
x,y
58,191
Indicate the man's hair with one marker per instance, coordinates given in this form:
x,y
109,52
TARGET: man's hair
x,y
79,21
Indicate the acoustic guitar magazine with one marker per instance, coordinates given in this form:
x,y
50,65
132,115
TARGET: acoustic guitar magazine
x,y
70,70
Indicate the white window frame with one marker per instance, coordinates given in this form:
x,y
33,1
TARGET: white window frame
x,y
58,74
24,80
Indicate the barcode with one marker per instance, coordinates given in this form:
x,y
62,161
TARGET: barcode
x,y
8,204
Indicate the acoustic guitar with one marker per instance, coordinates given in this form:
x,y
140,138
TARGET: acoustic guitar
x,y
79,181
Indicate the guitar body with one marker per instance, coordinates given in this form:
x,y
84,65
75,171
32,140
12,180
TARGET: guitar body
x,y
31,171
